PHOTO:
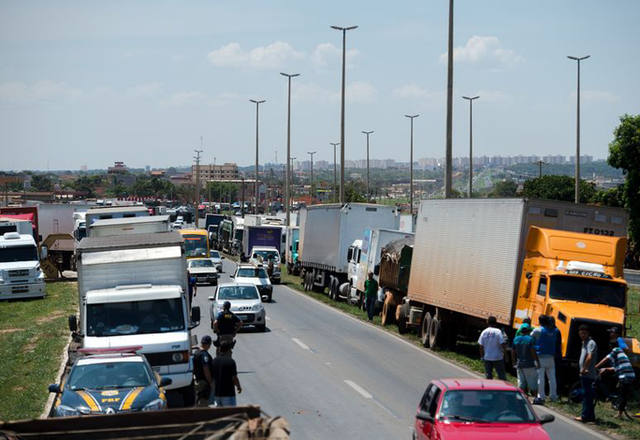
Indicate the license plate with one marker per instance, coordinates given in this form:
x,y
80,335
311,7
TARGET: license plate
x,y
244,317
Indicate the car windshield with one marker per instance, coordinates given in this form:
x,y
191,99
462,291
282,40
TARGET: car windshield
x,y
200,263
238,292
250,272
18,253
486,406
109,375
587,290
195,245
214,254
135,317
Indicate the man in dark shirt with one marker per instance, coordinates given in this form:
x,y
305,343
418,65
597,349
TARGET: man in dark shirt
x,y
202,371
225,376
370,294
226,326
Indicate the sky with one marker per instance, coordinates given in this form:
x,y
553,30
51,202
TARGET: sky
x,y
141,81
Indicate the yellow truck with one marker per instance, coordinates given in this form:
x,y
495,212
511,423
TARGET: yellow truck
x,y
513,259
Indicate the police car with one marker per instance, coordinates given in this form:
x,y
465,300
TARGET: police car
x,y
109,381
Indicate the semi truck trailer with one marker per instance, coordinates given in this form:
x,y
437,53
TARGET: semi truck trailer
x,y
516,259
129,225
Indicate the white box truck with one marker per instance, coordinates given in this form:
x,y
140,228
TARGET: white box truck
x,y
20,273
133,292
95,214
130,225
326,234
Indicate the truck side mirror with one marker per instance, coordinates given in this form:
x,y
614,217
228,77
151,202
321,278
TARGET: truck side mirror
x,y
73,323
43,253
195,314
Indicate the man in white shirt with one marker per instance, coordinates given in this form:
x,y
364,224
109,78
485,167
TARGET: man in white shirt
x,y
492,343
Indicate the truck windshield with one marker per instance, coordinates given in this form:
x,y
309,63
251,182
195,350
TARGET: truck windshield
x,y
587,290
249,272
195,245
107,375
135,317
18,253
266,255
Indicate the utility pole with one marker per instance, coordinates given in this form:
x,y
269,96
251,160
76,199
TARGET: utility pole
x,y
540,163
344,58
448,170
470,99
257,196
577,189
197,158
242,205
293,173
368,192
311,153
287,194
411,117
335,173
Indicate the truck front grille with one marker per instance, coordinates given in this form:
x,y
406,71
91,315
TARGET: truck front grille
x,y
159,359
19,273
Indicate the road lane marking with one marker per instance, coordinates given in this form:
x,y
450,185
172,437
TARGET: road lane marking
x,y
364,393
301,344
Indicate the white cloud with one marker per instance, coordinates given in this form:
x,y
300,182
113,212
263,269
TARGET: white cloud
x,y
483,49
19,92
145,90
360,91
271,56
412,91
180,99
326,54
356,92
596,96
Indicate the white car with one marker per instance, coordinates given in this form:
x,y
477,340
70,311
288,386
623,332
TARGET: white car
x,y
217,259
262,255
245,301
256,275
203,269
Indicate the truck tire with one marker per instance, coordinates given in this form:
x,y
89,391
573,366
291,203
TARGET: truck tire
x,y
305,283
333,288
402,315
388,310
425,329
435,333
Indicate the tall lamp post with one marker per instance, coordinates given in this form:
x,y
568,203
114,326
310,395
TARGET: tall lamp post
x,y
411,117
449,140
335,172
344,45
257,103
577,190
470,99
311,153
368,133
287,194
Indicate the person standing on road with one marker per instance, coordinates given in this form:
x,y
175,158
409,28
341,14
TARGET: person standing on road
x,y
225,376
226,326
492,345
202,371
546,338
526,360
370,294
621,366
193,287
588,374
615,338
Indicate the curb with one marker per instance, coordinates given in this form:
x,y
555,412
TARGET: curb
x,y
63,363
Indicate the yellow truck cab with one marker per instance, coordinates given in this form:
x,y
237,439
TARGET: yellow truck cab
x,y
576,278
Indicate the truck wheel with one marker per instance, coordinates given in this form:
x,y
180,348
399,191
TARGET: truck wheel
x,y
435,333
425,330
333,291
388,311
402,319
306,281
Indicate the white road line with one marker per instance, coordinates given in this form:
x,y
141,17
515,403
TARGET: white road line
x,y
301,344
364,393
558,415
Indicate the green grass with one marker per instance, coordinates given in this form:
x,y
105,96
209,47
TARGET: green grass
x,y
33,334
466,355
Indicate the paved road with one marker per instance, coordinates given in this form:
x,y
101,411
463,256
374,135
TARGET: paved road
x,y
332,376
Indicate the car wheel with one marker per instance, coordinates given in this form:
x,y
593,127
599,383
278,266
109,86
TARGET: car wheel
x,y
262,328
270,297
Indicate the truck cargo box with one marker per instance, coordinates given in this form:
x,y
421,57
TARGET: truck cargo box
x,y
395,264
126,226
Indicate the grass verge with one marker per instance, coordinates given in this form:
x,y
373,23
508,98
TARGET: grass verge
x,y
33,334
467,355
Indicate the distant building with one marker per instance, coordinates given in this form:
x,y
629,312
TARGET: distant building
x,y
120,174
226,171
181,179
118,168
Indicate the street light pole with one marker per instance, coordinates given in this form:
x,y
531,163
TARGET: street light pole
x,y
577,178
311,153
368,133
540,163
411,117
257,103
335,172
197,159
470,99
449,148
344,57
287,189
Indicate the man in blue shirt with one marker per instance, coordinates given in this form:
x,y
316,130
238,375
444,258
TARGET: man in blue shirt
x,y
546,337
526,359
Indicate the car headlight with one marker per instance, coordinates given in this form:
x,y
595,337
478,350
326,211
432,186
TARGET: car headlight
x,y
154,405
257,307
67,411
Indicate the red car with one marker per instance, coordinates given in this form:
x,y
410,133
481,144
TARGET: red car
x,y
477,409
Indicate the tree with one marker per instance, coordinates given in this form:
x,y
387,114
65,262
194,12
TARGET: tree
x,y
354,192
624,153
558,188
41,182
87,184
505,188
613,197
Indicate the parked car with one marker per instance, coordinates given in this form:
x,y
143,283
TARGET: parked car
x,y
114,381
245,303
217,259
477,409
256,275
203,269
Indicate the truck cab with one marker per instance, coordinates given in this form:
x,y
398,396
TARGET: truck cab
x,y
20,272
353,257
577,279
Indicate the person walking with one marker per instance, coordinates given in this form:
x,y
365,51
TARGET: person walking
x,y
526,358
621,366
370,294
202,371
492,343
546,338
225,376
588,374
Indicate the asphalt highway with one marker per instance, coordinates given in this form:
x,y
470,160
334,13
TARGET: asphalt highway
x,y
332,376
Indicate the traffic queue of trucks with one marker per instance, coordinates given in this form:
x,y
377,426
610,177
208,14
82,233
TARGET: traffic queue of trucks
x,y
471,259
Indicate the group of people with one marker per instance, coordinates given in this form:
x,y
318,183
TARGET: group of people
x,y
537,351
216,378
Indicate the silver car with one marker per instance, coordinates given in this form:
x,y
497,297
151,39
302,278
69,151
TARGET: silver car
x,y
245,301
217,259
